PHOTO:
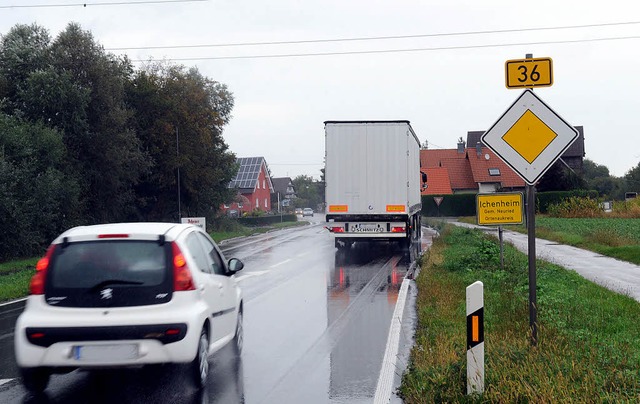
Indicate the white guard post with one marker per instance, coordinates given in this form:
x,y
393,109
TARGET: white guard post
x,y
475,338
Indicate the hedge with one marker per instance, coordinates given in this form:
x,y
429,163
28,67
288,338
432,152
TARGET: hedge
x,y
266,220
465,204
451,205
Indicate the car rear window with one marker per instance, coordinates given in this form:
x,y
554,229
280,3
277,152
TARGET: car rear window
x,y
109,273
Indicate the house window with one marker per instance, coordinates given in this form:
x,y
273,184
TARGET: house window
x,y
265,203
264,184
240,205
257,203
494,172
258,186
226,206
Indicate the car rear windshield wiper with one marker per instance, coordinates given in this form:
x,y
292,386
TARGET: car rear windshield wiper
x,y
110,282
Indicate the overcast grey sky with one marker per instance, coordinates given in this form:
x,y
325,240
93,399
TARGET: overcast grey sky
x,y
445,85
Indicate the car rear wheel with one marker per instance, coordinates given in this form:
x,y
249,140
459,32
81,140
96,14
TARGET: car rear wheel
x,y
199,368
35,379
238,339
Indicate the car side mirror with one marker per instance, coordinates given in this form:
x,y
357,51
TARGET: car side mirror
x,y
235,265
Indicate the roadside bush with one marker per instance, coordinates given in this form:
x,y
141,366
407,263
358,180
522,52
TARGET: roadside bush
x,y
546,199
576,207
627,209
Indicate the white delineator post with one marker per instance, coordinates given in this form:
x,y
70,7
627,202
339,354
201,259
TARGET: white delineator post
x,y
475,338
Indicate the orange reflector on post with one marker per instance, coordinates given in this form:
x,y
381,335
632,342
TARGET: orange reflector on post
x,y
475,328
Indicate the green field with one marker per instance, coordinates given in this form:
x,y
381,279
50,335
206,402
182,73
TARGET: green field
x,y
588,348
613,237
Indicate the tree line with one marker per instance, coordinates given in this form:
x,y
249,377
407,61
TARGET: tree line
x,y
85,138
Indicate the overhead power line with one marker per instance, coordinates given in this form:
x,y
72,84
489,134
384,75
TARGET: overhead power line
x,y
106,3
378,51
377,38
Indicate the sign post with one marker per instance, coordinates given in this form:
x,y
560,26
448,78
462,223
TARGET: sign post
x,y
499,208
529,137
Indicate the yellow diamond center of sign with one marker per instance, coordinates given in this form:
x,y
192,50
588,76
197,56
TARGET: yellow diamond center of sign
x,y
529,136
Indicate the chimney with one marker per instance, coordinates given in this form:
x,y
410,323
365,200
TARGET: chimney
x,y
461,145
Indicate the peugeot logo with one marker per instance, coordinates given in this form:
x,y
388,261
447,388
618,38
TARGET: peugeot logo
x,y
106,293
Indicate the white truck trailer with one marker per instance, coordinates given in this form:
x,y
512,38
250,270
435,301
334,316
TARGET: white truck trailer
x,y
373,180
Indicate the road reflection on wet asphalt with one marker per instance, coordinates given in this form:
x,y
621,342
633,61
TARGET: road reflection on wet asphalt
x,y
316,325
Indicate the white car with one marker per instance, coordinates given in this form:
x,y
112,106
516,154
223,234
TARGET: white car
x,y
307,212
126,295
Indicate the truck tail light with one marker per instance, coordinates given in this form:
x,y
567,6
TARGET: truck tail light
x,y
36,286
182,278
398,229
336,229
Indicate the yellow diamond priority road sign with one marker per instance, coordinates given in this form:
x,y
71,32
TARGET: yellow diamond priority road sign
x,y
530,137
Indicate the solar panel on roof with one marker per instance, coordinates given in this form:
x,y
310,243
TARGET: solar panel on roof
x,y
248,172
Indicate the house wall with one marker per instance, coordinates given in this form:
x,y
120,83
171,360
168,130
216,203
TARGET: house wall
x,y
486,188
261,197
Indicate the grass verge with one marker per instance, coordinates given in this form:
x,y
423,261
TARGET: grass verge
x,y
15,275
588,347
614,237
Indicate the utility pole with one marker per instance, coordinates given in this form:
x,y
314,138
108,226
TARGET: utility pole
x,y
178,164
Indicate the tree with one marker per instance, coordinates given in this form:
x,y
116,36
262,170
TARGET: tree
x,y
307,192
632,178
24,50
37,200
560,178
179,109
597,177
98,132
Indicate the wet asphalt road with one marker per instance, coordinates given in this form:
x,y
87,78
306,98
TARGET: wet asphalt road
x,y
316,326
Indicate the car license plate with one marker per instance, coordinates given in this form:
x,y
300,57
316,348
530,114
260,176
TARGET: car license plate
x,y
105,353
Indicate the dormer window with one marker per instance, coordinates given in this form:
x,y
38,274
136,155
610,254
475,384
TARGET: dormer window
x,y
494,172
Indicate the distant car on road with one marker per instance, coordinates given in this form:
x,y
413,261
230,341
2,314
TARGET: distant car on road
x,y
307,212
126,295
298,211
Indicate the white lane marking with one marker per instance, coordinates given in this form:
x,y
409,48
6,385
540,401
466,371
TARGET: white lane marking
x,y
12,302
280,263
250,275
385,380
4,381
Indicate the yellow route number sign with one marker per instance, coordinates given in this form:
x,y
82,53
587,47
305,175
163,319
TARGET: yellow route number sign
x,y
529,73
500,208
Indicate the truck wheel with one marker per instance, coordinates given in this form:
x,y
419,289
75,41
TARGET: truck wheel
x,y
35,380
405,243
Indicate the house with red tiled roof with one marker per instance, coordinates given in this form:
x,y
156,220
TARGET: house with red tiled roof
x,y
466,170
438,182
473,168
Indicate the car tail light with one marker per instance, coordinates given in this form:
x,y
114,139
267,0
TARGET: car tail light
x,y
182,279
113,236
36,287
398,229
